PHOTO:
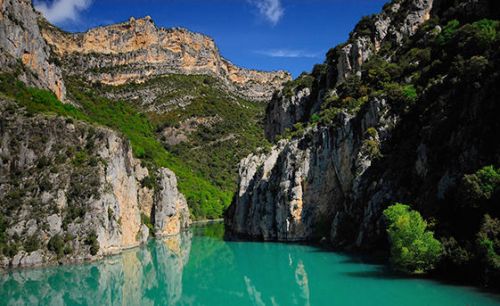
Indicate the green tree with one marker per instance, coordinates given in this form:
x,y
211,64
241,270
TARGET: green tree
x,y
413,248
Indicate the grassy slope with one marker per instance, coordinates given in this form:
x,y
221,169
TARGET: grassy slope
x,y
213,151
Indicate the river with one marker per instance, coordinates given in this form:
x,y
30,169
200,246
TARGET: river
x,y
200,268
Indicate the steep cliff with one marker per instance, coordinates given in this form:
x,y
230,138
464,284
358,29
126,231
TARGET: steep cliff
x,y
21,41
138,50
381,32
413,123
72,191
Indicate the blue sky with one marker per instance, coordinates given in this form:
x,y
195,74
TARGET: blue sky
x,y
260,34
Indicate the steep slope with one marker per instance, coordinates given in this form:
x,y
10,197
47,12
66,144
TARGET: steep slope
x,y
414,122
138,50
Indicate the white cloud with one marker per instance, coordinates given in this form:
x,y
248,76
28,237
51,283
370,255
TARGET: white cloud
x,y
62,10
287,53
272,10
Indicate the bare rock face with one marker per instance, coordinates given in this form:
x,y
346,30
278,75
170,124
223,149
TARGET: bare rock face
x,y
294,192
70,191
136,50
171,212
20,39
284,111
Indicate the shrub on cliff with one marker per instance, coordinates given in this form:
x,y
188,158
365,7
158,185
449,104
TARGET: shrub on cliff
x,y
488,243
479,187
413,248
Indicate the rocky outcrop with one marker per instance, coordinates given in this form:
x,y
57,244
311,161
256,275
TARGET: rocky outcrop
x,y
284,111
398,20
171,212
137,50
21,41
294,192
70,191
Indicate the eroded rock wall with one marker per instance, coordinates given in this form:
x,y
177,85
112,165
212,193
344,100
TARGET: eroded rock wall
x,y
136,50
71,191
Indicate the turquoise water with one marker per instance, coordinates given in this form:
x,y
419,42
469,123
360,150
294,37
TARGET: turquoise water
x,y
199,268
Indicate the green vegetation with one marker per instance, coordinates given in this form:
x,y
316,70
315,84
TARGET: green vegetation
x,y
413,248
481,185
488,242
207,180
91,241
303,81
448,32
3,234
218,128
56,245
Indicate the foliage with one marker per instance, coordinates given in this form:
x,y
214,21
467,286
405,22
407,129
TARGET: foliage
x,y
365,26
303,81
3,234
32,243
147,221
91,241
448,32
56,245
413,248
481,185
488,242
205,199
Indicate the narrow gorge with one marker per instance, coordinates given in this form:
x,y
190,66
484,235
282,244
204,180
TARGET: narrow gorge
x,y
140,166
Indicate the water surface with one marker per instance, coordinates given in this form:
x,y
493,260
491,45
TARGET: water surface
x,y
199,268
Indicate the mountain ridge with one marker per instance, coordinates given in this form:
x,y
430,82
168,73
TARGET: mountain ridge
x,y
137,50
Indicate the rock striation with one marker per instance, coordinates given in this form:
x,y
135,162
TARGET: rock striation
x,y
22,42
137,50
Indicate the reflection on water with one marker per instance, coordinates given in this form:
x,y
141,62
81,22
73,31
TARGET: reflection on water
x,y
199,268
128,279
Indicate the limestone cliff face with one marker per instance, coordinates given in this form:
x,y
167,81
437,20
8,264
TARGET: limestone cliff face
x,y
136,50
70,191
294,192
21,40
334,179
398,20
171,212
